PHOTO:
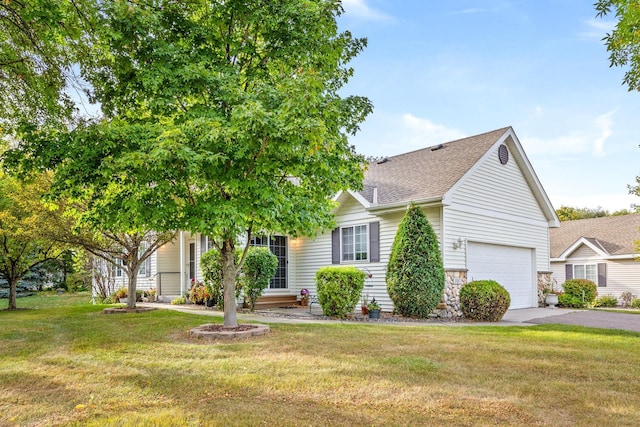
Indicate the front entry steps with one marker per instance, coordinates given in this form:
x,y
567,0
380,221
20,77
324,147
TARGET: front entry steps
x,y
276,301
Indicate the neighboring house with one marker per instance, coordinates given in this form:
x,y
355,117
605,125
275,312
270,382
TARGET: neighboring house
x,y
480,194
599,249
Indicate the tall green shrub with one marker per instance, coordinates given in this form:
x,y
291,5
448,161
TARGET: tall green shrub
x,y
259,267
415,275
339,289
578,293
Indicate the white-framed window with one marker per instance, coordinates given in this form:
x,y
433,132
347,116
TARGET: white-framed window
x,y
145,267
354,242
586,271
118,267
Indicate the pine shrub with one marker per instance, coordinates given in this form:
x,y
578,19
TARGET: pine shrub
x,y
339,289
415,275
484,300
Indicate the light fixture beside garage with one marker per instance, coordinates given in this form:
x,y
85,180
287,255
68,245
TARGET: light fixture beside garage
x,y
458,243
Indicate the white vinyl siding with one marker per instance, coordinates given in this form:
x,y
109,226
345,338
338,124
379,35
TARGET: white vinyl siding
x,y
494,204
307,255
168,271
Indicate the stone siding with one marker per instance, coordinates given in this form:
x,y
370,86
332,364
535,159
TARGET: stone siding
x,y
544,282
450,306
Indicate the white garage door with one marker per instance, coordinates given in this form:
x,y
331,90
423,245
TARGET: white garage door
x,y
509,266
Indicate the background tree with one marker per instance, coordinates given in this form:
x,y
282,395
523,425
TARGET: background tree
x,y
37,53
623,43
415,274
568,213
223,118
26,229
126,251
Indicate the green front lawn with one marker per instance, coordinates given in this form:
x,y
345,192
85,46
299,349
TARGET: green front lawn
x,y
72,365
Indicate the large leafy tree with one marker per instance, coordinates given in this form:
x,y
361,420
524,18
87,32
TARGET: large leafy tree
x,y
28,226
623,42
223,117
39,40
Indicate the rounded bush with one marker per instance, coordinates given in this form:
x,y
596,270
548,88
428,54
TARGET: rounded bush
x,y
583,293
635,303
339,289
484,300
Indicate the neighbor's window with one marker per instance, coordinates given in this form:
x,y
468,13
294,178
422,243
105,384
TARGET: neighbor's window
x,y
355,243
118,269
586,271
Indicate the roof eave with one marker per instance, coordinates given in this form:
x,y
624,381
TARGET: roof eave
x,y
400,206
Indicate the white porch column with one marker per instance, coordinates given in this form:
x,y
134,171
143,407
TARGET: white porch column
x,y
182,264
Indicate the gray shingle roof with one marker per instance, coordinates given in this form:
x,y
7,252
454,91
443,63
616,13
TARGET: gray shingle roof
x,y
615,234
426,173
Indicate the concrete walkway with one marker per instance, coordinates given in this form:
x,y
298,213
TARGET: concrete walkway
x,y
518,317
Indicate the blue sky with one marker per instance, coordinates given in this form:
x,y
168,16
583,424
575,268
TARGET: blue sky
x,y
440,70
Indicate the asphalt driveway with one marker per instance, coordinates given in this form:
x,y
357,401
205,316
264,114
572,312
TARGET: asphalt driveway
x,y
594,319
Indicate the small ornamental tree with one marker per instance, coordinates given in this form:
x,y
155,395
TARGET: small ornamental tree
x,y
415,275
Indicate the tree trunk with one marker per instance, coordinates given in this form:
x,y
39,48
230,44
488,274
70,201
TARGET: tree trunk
x,y
132,275
13,284
229,284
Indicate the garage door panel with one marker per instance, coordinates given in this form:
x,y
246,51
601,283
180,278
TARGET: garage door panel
x,y
510,266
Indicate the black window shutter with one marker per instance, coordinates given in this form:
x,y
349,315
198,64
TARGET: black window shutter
x,y
602,274
374,241
568,271
335,246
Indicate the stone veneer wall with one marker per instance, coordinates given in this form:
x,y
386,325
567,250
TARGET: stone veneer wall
x,y
544,282
450,306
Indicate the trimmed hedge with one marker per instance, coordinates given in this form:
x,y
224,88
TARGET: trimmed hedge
x,y
578,293
339,289
415,275
484,300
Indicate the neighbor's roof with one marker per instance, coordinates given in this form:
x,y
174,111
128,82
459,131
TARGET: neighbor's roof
x,y
614,234
427,173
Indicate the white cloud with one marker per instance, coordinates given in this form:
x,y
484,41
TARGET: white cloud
x,y
604,123
360,9
590,139
420,132
597,29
